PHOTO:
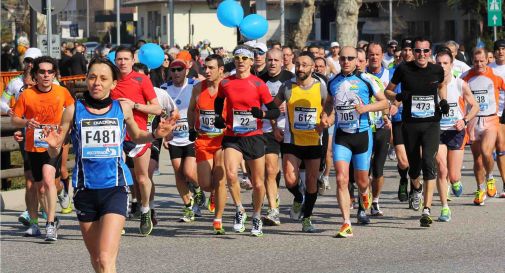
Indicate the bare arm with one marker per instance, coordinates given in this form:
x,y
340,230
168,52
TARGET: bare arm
x,y
140,136
55,138
469,98
192,104
389,92
153,107
328,115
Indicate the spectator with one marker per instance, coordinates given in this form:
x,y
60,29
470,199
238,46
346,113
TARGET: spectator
x,y
161,74
65,62
206,50
78,61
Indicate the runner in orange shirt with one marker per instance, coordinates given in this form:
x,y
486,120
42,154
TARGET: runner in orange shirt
x,y
483,129
38,107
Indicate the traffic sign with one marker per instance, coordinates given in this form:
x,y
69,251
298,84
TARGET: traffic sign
x,y
494,13
40,5
55,45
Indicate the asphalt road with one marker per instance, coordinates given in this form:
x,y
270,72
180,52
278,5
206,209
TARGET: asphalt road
x,y
473,241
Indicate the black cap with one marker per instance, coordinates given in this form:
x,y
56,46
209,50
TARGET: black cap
x,y
498,44
407,42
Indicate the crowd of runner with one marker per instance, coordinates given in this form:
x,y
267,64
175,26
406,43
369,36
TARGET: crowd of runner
x,y
284,114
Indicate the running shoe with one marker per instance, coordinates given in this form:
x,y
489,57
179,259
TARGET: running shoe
x,y
154,217
416,200
218,227
365,200
307,225
57,222
392,154
376,211
43,214
211,203
480,196
449,198
257,227
320,186
146,224
445,215
403,194
362,218
296,210
344,232
457,188
64,201
239,221
197,211
326,181
33,231
272,218
491,187
187,215
425,220
301,185
245,183
51,232
24,218
200,198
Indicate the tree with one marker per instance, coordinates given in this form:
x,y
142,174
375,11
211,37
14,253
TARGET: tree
x,y
304,27
347,21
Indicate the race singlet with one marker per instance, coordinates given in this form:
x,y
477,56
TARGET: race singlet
x,y
423,106
305,118
207,118
243,122
348,118
100,138
482,98
181,129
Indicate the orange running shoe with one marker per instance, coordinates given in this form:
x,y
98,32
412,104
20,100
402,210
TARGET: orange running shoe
x,y
218,227
491,187
345,231
480,196
211,203
366,200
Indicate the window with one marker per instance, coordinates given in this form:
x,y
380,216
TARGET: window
x,y
450,29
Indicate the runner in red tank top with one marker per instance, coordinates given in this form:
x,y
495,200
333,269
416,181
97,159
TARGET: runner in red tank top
x,y
137,91
209,156
244,93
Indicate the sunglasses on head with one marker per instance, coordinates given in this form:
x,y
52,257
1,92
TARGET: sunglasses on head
x,y
43,71
243,58
423,50
346,58
176,69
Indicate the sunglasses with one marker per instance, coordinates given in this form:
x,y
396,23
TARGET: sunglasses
x,y
260,52
43,71
238,58
166,60
347,58
28,60
176,69
423,50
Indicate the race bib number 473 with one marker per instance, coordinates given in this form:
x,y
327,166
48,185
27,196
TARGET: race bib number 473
x,y
100,138
423,106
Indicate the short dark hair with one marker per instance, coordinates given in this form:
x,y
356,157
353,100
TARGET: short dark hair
x,y
374,44
421,39
445,53
116,74
321,58
142,68
274,43
308,54
312,46
217,58
43,59
123,48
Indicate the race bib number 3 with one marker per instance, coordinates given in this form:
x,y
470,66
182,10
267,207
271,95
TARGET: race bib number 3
x,y
243,122
100,138
482,98
38,136
348,118
207,119
182,128
305,118
423,106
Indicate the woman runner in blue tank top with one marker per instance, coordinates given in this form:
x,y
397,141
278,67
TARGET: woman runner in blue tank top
x,y
98,126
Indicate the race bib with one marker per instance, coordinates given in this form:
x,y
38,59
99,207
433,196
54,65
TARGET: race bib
x,y
243,122
305,118
207,119
452,117
482,98
378,121
182,128
348,118
423,106
100,138
38,136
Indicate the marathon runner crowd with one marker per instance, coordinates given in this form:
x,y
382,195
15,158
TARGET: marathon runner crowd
x,y
284,112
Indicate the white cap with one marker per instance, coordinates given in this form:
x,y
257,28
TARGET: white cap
x,y
261,46
334,44
33,53
251,43
206,42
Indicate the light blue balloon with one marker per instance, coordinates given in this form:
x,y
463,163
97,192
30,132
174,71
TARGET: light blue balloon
x,y
151,55
112,57
230,13
254,26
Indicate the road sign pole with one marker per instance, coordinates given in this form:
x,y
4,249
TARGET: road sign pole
x,y
495,38
49,27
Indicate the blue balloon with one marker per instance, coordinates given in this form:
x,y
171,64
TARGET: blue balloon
x,y
230,13
254,26
151,55
112,56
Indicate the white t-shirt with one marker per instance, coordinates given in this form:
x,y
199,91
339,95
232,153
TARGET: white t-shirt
x,y
459,67
499,70
181,96
335,64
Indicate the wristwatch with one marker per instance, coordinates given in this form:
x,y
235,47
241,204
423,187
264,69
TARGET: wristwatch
x,y
136,106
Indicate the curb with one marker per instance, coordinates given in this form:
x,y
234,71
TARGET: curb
x,y
12,200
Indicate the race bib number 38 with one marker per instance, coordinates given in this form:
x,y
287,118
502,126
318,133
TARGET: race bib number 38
x,y
305,118
100,138
482,98
243,122
423,106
